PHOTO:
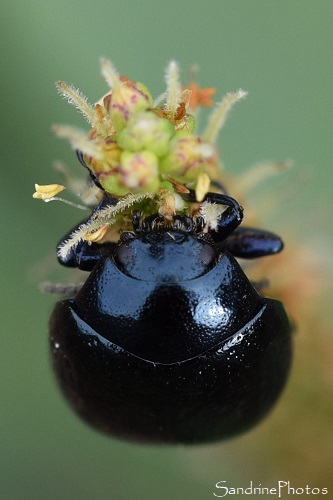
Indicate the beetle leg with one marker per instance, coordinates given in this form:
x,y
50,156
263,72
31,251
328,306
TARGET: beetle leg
x,y
219,186
84,255
81,159
230,218
249,243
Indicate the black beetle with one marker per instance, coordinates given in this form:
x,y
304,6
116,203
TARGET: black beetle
x,y
168,341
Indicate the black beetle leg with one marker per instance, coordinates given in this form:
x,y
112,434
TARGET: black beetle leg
x,y
81,159
219,186
230,218
249,243
84,255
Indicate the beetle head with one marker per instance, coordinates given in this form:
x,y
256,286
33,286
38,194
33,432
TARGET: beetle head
x,y
165,252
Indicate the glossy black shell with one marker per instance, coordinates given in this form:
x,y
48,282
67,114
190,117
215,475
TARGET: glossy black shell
x,y
186,351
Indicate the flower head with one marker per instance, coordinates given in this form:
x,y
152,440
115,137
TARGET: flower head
x,y
162,136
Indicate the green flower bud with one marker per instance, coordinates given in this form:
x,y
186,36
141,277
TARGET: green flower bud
x,y
125,100
111,182
147,131
188,157
136,172
139,171
146,92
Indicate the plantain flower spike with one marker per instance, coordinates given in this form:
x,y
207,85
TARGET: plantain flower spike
x,y
141,148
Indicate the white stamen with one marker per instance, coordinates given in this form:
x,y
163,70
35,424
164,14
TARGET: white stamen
x,y
77,99
109,73
173,91
219,115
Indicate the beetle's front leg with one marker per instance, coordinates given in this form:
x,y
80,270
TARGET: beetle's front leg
x,y
243,242
229,219
80,157
85,254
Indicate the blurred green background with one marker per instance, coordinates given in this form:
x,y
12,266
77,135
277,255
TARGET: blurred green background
x,y
281,53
